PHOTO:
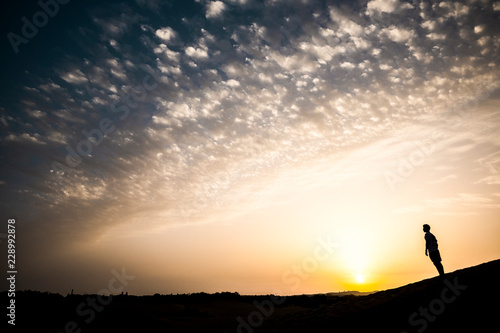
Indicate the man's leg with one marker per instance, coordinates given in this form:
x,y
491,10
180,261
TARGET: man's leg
x,y
436,260
439,267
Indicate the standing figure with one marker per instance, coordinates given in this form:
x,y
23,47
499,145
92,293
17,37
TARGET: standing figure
x,y
431,249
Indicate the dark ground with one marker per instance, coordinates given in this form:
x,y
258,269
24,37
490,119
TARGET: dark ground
x,y
466,300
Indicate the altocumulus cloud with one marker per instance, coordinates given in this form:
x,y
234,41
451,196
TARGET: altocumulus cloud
x,y
245,90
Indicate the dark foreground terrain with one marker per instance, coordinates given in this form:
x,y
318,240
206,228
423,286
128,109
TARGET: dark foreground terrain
x,y
466,300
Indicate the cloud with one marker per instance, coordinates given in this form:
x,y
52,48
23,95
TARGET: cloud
x,y
26,138
444,179
490,180
167,34
344,23
398,35
76,77
491,162
468,200
239,101
381,6
37,114
197,53
215,9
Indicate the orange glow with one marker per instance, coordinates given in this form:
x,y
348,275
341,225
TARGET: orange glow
x,y
280,247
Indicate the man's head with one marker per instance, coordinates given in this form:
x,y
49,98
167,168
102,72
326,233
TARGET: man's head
x,y
426,228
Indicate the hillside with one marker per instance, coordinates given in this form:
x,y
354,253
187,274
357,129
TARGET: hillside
x,y
465,301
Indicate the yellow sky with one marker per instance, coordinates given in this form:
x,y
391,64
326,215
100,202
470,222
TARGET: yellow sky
x,y
278,148
333,225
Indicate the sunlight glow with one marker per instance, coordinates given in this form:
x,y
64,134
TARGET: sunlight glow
x,y
360,278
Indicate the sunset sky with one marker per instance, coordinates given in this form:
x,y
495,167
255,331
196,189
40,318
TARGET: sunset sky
x,y
261,147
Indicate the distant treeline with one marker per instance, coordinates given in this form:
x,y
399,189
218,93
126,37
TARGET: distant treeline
x,y
70,298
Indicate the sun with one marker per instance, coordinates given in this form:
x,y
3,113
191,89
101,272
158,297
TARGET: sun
x,y
360,278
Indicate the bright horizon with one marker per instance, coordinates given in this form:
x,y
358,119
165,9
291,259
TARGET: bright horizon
x,y
279,148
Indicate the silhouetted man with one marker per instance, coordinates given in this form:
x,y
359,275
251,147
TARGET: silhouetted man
x,y
431,246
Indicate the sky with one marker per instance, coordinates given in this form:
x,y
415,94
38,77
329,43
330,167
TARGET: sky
x,y
261,147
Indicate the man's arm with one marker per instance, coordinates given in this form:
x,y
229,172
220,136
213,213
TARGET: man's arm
x,y
426,246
